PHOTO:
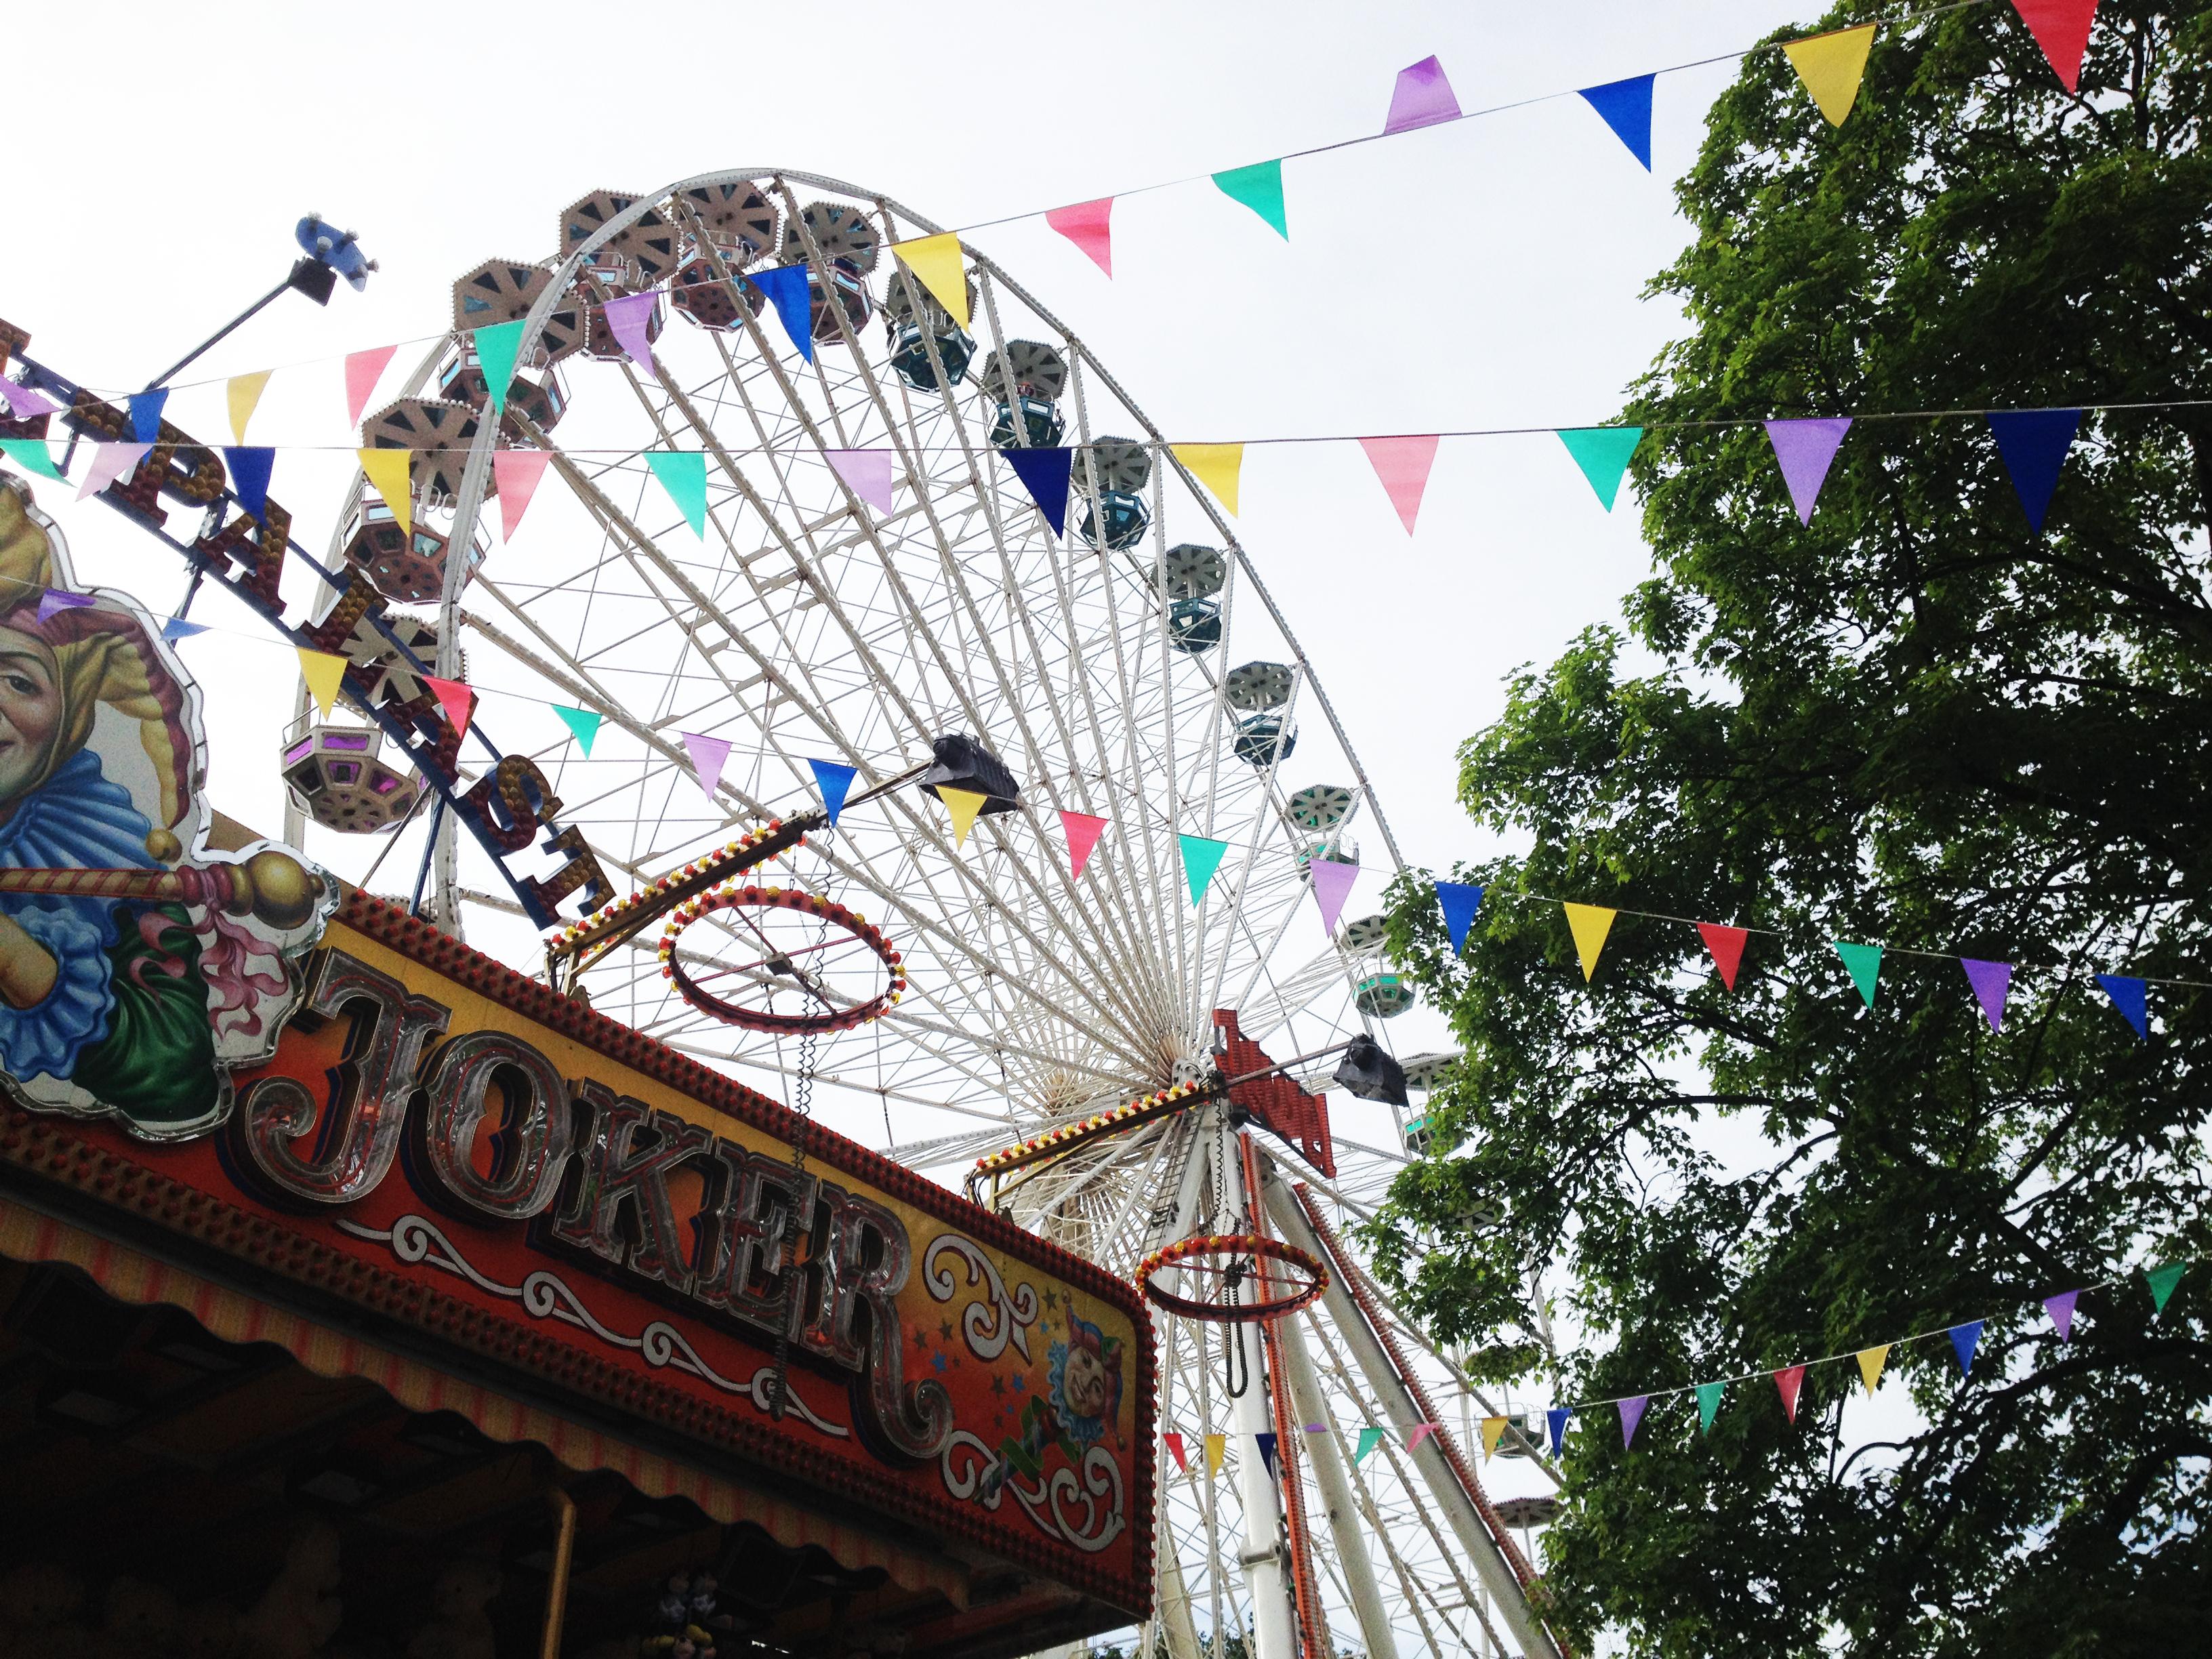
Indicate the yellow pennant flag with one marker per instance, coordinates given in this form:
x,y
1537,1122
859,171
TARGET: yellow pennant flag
x,y
1217,1448
1214,465
936,263
386,469
245,391
323,673
963,804
1590,923
1871,1360
1830,66
1493,1431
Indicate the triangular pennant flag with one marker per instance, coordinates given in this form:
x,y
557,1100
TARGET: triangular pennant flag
x,y
1589,924
963,804
1459,901
54,598
1555,1420
866,472
242,394
1370,1438
25,403
1991,981
1266,1451
937,264
1044,473
1789,1379
1215,466
1964,1340
1632,1413
582,723
1402,465
2161,1281
2061,27
1725,946
516,474
249,478
1082,831
2131,997
1417,1434
387,471
1626,107
498,347
1217,1448
1708,1404
455,698
109,463
1806,449
2061,1310
708,756
146,413
1201,859
1331,885
1832,66
2035,442
324,673
1864,964
177,629
683,474
785,287
1422,98
1493,1431
32,455
1871,1360
835,783
1602,452
363,369
1260,187
1089,226
630,318
1174,1443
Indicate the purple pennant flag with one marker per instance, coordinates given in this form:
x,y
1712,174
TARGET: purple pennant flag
x,y
1805,449
1632,1413
1422,98
109,463
1991,981
1332,884
708,756
867,473
627,317
25,403
54,598
2061,1310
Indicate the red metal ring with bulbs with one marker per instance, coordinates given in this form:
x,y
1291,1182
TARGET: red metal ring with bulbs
x,y
734,897
1220,1254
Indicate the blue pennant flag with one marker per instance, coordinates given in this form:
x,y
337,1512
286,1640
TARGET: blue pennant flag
x,y
2131,996
2035,442
1626,107
834,781
249,478
177,629
1556,1420
1460,901
146,415
1044,474
1965,1338
785,287
1267,1449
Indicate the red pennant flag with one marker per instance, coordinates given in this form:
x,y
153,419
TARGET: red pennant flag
x,y
2061,27
1082,833
1085,224
1725,946
1790,1381
515,474
363,369
456,699
1403,464
1174,1443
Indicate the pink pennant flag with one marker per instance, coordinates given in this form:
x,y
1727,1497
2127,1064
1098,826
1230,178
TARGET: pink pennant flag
x,y
1420,1432
25,403
708,756
455,698
627,317
515,475
1086,225
1422,98
1991,981
2061,1310
866,472
1083,831
363,369
1332,884
109,463
1403,466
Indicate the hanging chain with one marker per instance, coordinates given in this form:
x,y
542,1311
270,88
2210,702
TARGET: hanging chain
x,y
803,1103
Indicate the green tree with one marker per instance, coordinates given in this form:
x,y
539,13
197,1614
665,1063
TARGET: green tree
x,y
1915,722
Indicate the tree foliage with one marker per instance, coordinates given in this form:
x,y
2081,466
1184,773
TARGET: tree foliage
x,y
1916,723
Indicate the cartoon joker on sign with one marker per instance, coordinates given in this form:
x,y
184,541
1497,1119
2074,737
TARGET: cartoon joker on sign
x,y
1086,1399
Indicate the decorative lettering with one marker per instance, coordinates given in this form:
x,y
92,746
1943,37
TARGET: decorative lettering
x,y
617,1172
510,804
530,1144
869,1257
255,546
742,1254
582,869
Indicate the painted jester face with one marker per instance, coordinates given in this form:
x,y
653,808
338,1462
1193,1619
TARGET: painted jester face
x,y
1087,1387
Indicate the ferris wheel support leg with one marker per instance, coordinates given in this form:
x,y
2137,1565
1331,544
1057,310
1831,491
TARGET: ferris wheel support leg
x,y
1261,1556
1343,1517
1395,1398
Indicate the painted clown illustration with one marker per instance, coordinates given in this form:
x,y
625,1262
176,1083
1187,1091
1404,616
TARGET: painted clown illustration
x,y
136,969
1084,1399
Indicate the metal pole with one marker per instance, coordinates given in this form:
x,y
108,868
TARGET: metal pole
x,y
216,339
1261,1556
556,1587
1335,1491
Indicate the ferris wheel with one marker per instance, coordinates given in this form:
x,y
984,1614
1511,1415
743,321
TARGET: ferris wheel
x,y
983,995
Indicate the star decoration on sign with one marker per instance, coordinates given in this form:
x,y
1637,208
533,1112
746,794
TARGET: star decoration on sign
x,y
945,1329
